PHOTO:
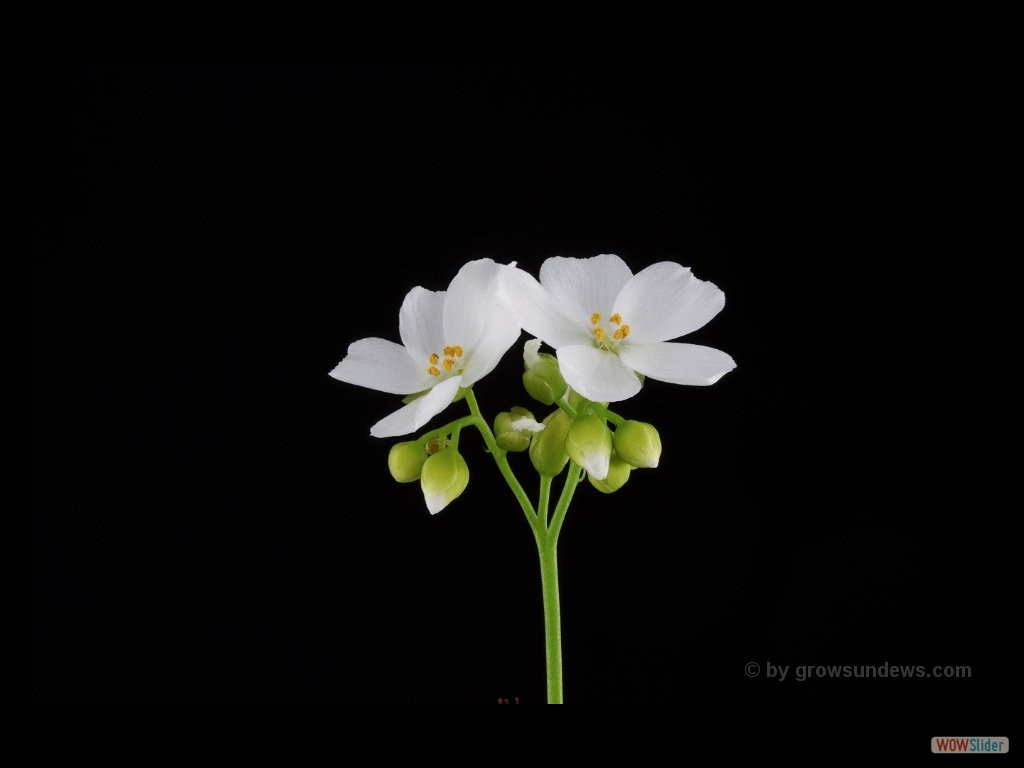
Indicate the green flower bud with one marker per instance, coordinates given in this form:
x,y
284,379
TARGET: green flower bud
x,y
638,444
618,474
514,429
589,444
547,450
543,378
544,381
445,477
406,461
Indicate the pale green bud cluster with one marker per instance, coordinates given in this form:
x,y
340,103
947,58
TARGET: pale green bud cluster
x,y
608,457
635,444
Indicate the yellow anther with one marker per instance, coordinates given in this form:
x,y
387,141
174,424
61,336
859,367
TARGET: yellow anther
x,y
625,331
433,371
434,359
618,335
457,350
599,334
449,351
448,363
595,318
616,318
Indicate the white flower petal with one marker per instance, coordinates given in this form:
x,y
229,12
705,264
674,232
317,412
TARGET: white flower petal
x,y
382,365
531,352
436,502
665,301
677,363
596,463
585,286
525,424
503,333
421,322
536,311
596,374
471,305
411,417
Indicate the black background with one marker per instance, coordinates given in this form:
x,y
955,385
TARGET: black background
x,y
209,237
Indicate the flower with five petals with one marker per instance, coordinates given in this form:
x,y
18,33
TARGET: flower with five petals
x,y
608,324
450,340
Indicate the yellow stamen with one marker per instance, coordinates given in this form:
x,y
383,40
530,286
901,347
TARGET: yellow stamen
x,y
448,363
625,331
449,351
434,359
616,318
599,334
433,371
618,335
457,350
595,318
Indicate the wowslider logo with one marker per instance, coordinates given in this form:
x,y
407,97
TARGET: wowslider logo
x,y
966,745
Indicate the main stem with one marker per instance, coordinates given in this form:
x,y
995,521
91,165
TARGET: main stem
x,y
545,533
548,549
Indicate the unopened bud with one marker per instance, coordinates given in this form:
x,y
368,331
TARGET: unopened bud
x,y
445,476
405,460
514,429
547,450
618,474
543,378
638,444
589,444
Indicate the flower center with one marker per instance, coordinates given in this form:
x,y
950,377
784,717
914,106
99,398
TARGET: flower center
x,y
446,364
607,335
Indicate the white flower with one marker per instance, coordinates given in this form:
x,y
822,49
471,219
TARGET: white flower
x,y
608,324
449,340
